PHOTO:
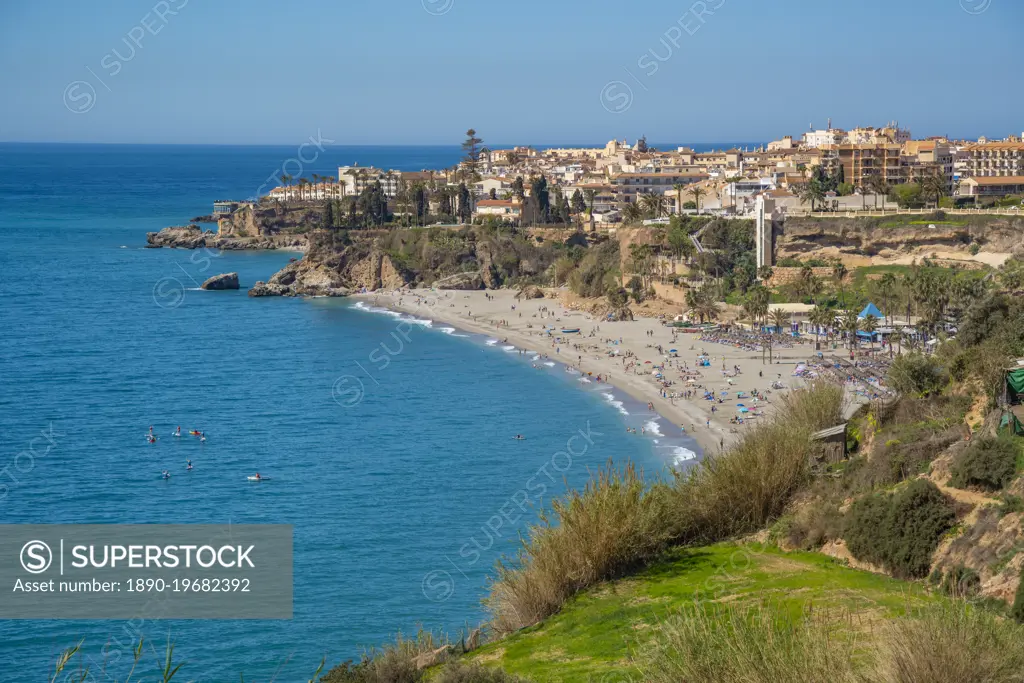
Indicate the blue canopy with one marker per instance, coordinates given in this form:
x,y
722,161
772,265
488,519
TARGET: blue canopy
x,y
871,309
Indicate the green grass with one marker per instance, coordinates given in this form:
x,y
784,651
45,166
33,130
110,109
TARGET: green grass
x,y
595,632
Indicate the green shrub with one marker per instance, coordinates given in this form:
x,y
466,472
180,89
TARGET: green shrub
x,y
900,531
989,463
960,582
915,374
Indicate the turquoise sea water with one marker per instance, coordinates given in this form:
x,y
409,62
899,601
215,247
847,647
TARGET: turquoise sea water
x,y
397,477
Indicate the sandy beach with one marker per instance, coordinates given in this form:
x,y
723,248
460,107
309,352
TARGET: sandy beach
x,y
626,355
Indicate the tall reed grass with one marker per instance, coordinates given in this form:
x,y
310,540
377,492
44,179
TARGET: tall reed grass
x,y
750,644
616,524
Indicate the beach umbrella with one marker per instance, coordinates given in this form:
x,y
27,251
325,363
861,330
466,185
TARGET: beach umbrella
x,y
647,362
739,405
744,410
725,393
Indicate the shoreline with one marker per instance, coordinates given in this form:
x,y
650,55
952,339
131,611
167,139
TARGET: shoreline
x,y
710,438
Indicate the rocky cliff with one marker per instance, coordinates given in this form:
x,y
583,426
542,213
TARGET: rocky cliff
x,y
194,237
329,271
899,235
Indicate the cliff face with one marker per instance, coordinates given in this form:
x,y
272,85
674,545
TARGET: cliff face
x,y
898,236
194,237
329,271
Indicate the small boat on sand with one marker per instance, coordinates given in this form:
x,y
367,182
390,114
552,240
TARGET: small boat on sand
x,y
570,330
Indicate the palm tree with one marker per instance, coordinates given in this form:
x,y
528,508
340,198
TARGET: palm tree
x,y
780,320
839,272
870,325
590,194
632,213
819,317
654,204
812,192
886,286
934,185
879,186
697,192
765,273
679,187
807,283
851,326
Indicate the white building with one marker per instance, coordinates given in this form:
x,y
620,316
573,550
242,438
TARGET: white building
x,y
357,178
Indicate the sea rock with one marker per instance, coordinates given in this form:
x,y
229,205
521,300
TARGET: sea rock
x,y
180,237
222,281
465,281
302,278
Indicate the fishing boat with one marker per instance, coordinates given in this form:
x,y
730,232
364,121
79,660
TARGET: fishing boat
x,y
570,330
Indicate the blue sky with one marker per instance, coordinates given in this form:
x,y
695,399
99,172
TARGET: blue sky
x,y
527,72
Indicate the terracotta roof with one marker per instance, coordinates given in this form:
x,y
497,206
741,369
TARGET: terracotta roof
x,y
996,146
998,180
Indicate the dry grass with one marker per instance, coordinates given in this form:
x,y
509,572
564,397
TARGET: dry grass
x,y
747,488
616,524
953,644
751,644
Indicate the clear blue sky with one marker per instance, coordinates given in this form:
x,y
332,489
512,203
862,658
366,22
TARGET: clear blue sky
x,y
529,71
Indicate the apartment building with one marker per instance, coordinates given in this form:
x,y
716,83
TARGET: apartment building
x,y
626,186
922,158
355,179
994,159
862,162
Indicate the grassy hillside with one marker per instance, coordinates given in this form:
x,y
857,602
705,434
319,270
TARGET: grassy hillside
x,y
594,636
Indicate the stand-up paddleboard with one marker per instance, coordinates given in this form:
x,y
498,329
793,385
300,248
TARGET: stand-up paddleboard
x,y
258,479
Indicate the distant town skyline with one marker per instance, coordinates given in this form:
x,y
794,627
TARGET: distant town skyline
x,y
406,72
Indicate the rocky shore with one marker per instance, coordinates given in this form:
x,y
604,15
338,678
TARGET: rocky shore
x,y
194,237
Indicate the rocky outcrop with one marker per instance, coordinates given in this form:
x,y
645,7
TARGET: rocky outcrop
x,y
222,281
530,292
194,237
302,278
464,281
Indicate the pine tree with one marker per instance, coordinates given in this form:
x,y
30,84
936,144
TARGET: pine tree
x,y
471,162
328,222
465,204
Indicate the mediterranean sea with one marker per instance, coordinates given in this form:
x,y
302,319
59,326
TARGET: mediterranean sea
x,y
392,474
